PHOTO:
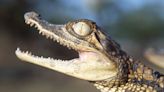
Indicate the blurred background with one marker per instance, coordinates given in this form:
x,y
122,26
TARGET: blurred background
x,y
135,24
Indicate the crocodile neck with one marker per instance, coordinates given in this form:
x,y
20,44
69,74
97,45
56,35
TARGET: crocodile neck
x,y
132,77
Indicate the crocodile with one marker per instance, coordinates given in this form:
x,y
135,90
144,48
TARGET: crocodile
x,y
101,60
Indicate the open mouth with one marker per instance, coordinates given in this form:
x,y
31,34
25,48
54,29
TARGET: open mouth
x,y
90,65
44,28
56,33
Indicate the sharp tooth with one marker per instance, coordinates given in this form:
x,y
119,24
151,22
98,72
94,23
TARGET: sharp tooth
x,y
69,48
28,22
40,32
36,26
43,33
57,41
47,36
29,53
26,52
25,21
18,49
31,24
51,37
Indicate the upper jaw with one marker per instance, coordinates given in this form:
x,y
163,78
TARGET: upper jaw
x,y
57,33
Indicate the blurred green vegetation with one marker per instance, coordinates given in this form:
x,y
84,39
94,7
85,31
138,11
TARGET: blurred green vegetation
x,y
136,25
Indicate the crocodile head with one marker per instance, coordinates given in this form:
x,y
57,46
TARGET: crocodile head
x,y
84,36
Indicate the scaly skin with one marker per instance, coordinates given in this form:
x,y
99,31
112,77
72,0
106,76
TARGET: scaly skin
x,y
101,60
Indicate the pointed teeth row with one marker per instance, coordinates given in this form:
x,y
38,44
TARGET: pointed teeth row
x,y
27,22
26,53
64,44
40,32
48,36
31,23
30,54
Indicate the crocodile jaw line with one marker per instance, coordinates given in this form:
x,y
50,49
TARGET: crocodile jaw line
x,y
89,66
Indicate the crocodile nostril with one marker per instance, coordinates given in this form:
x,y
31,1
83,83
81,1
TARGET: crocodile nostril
x,y
31,15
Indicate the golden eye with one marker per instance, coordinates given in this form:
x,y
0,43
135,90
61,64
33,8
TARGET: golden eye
x,y
81,29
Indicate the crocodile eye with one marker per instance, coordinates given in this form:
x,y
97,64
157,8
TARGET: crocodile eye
x,y
81,29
